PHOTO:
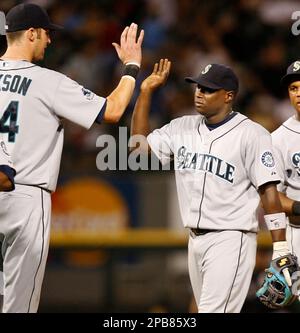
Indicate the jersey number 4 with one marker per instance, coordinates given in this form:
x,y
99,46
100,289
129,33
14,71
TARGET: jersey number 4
x,y
8,122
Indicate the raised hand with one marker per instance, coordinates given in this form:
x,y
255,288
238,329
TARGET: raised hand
x,y
130,48
159,75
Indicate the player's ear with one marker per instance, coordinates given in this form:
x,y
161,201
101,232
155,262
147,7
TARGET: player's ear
x,y
229,96
30,33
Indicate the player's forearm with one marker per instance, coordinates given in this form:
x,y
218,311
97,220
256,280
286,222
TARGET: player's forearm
x,y
270,199
140,124
118,100
273,211
287,203
291,208
140,118
278,235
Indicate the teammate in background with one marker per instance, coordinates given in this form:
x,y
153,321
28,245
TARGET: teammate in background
x,y
7,172
286,141
33,101
223,166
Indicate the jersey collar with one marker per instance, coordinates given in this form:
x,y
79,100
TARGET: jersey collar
x,y
292,124
14,64
221,130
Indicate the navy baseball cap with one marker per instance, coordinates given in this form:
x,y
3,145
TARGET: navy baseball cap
x,y
26,16
216,76
292,74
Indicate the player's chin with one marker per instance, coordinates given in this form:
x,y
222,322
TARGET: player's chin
x,y
297,107
200,109
39,57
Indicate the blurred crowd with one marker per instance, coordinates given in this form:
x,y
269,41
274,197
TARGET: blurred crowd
x,y
252,36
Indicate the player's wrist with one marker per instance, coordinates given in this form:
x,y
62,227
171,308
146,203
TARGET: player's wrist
x,y
131,70
135,63
275,221
146,89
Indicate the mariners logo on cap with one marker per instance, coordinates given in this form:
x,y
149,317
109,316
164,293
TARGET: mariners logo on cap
x,y
268,159
206,69
296,66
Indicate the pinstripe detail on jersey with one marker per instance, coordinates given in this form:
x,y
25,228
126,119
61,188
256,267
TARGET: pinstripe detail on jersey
x,y
42,250
236,271
290,129
204,181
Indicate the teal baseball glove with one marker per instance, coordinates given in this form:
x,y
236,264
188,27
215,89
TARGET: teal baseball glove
x,y
276,291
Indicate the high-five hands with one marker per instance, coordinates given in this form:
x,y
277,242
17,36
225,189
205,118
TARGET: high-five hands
x,y
130,48
159,75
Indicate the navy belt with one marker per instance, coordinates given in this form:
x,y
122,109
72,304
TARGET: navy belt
x,y
199,232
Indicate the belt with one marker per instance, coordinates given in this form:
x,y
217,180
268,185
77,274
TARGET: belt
x,y
199,232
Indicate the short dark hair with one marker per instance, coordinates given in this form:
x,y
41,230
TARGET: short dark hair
x,y
14,36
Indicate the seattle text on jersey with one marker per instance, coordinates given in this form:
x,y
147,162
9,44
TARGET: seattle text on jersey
x,y
204,162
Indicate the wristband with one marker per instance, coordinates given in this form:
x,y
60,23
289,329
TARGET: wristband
x,y
296,208
275,221
132,63
131,70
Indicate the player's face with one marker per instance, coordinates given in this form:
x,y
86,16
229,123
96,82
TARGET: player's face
x,y
209,102
42,41
294,93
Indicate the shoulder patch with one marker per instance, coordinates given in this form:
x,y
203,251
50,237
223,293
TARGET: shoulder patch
x,y
267,159
88,94
296,162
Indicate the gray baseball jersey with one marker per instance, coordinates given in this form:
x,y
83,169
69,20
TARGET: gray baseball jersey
x,y
218,173
286,141
33,102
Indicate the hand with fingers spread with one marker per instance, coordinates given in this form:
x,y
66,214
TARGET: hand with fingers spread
x,y
130,48
159,75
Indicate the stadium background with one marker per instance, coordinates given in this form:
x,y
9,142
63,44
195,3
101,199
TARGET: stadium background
x,y
117,240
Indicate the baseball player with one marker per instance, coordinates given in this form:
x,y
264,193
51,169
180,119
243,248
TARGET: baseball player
x,y
223,166
33,102
286,141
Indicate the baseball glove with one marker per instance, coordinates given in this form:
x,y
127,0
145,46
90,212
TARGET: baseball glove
x,y
275,292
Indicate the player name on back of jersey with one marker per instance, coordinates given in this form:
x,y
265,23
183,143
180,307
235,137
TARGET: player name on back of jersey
x,y
14,83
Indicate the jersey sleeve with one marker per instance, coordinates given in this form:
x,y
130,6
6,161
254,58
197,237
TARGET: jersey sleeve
x,y
280,164
260,160
160,142
77,104
279,160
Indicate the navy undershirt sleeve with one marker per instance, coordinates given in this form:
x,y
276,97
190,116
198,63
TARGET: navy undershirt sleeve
x,y
101,114
9,172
